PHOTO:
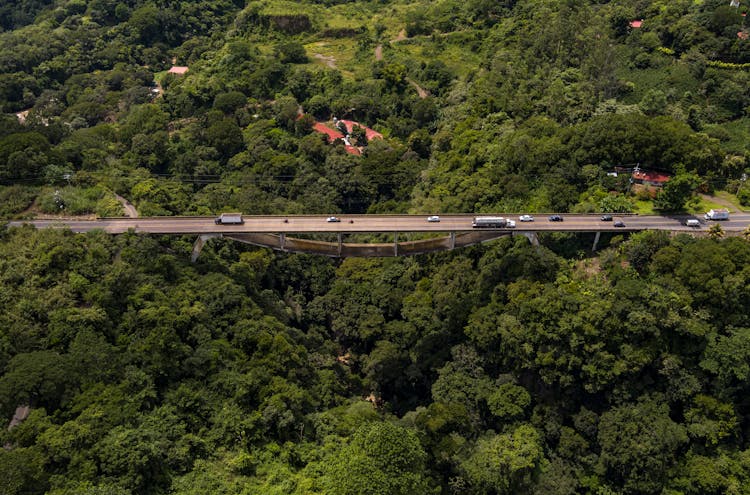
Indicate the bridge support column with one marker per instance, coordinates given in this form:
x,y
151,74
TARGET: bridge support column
x,y
199,243
596,241
341,242
533,239
452,242
395,244
282,241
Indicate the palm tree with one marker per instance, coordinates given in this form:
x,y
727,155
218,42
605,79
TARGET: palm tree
x,y
715,231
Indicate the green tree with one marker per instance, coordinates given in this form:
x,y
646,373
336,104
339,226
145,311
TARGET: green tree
x,y
716,231
639,443
506,463
380,459
676,192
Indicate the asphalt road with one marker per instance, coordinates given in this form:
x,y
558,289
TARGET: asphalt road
x,y
378,223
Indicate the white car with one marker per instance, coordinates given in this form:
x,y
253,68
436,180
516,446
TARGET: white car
x,y
511,224
433,218
526,218
333,219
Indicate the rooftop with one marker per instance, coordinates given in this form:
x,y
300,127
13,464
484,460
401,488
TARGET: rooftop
x,y
369,133
332,134
650,177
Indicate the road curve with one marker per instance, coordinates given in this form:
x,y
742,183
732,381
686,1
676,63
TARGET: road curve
x,y
298,224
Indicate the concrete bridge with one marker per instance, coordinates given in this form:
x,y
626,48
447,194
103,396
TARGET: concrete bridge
x,y
450,232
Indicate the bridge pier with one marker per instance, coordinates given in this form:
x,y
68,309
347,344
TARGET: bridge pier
x,y
199,243
282,241
341,243
532,237
452,242
395,244
596,241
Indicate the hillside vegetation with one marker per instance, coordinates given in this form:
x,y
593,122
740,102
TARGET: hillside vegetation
x,y
499,369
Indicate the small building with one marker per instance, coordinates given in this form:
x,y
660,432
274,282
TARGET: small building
x,y
332,134
369,133
636,24
178,70
649,178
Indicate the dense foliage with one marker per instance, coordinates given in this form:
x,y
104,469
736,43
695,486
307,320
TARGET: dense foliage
x,y
499,369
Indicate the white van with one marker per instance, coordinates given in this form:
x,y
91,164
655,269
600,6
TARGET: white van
x,y
693,222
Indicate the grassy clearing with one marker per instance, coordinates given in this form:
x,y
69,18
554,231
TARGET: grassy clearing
x,y
731,198
340,52
455,56
15,199
643,207
695,207
702,206
280,7
78,201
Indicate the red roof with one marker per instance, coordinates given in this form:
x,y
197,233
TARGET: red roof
x,y
324,129
636,24
352,150
176,69
743,35
652,177
369,133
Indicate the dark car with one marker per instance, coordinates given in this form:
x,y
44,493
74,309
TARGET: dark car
x,y
619,223
606,218
555,218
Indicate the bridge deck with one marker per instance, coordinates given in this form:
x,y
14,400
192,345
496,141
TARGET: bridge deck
x,y
278,231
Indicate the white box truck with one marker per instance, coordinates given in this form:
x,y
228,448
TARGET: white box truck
x,y
717,214
229,219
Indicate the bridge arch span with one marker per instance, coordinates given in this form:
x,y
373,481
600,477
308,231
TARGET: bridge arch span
x,y
282,242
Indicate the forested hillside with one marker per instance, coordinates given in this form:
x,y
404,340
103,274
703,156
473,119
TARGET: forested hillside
x,y
504,368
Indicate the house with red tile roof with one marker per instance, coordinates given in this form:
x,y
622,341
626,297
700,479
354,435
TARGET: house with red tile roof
x,y
369,133
332,134
179,70
649,178
636,24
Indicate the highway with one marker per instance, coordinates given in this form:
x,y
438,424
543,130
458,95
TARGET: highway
x,y
297,224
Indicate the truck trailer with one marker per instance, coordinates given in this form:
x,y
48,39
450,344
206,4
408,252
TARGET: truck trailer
x,y
489,222
717,214
229,219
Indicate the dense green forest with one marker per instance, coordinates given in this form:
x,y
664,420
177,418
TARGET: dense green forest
x,y
504,368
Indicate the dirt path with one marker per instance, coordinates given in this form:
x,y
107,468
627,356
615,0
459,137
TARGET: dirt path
x,y
423,93
130,210
329,61
379,52
401,36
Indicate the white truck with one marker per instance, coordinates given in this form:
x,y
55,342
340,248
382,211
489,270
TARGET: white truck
x,y
229,219
489,222
717,214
